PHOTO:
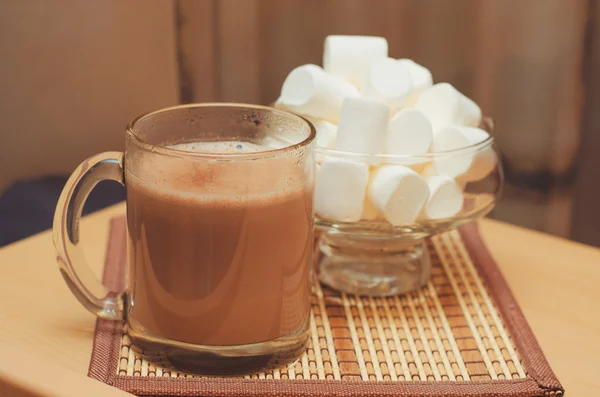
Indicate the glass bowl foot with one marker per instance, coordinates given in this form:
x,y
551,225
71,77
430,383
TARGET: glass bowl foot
x,y
373,266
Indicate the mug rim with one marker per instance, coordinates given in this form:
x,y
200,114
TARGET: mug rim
x,y
159,149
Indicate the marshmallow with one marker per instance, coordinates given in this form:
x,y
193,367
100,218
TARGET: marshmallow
x,y
429,171
280,105
326,136
309,91
484,159
363,126
451,164
387,81
468,165
398,193
409,132
420,77
370,212
350,56
445,198
340,189
326,133
444,105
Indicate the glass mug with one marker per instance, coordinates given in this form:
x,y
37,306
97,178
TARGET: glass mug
x,y
220,236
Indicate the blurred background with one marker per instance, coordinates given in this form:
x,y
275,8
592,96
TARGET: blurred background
x,y
73,73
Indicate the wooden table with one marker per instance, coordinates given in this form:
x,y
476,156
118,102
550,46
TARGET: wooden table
x,y
556,282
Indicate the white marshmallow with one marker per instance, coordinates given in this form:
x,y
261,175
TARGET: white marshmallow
x,y
398,193
451,164
326,136
340,189
309,91
370,212
326,133
387,81
444,105
350,56
363,126
445,198
468,165
409,132
484,159
429,171
420,77
280,105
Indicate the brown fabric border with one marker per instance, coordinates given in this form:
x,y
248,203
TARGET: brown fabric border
x,y
230,387
531,353
540,381
105,352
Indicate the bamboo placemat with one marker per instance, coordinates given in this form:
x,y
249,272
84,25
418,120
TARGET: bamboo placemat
x,y
461,335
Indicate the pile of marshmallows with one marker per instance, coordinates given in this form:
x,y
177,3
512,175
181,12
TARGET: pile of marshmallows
x,y
362,101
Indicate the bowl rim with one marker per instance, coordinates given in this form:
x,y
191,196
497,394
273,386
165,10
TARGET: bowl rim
x,y
486,124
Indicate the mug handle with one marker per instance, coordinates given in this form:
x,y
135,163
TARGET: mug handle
x,y
82,282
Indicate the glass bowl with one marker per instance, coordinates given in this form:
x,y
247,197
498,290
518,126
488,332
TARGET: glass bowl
x,y
374,257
